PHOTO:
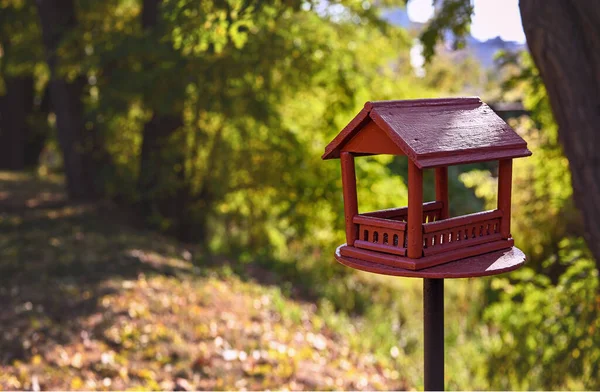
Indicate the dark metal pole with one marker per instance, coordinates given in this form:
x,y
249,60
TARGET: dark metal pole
x,y
433,326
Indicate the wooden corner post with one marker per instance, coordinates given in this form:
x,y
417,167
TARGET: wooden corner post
x,y
350,198
415,211
504,192
441,190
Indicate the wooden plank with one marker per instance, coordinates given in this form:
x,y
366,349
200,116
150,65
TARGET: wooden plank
x,y
492,263
378,222
504,194
466,157
441,190
391,212
449,246
350,198
458,254
461,221
435,133
396,250
424,262
415,211
333,149
468,127
372,140
377,257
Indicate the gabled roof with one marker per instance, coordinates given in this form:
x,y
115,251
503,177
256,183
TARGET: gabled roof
x,y
436,132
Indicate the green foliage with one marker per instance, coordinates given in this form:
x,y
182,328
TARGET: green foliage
x,y
543,210
249,81
453,17
547,336
256,89
20,38
543,320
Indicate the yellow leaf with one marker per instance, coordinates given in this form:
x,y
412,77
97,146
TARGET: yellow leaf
x,y
76,383
36,360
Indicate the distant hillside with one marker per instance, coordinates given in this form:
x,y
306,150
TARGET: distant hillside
x,y
483,51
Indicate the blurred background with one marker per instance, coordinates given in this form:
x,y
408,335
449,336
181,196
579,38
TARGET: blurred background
x,y
166,221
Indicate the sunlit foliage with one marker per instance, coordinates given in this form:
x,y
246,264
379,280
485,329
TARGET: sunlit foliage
x,y
547,334
251,92
543,211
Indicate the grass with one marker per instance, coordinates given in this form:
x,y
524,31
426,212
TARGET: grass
x,y
91,302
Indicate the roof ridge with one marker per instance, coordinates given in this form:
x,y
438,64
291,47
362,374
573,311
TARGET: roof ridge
x,y
435,132
369,105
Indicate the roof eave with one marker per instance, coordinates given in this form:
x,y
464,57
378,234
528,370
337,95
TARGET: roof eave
x,y
333,149
466,157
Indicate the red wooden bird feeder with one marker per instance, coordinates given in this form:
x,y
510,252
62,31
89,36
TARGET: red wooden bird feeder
x,y
432,133
422,240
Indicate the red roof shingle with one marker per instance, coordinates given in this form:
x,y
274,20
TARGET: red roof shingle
x,y
438,132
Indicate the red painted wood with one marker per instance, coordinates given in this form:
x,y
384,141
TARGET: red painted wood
x,y
430,206
427,261
384,223
441,190
350,198
333,149
493,263
381,235
447,247
378,257
396,250
432,133
438,132
461,221
415,211
504,194
372,140
461,253
482,156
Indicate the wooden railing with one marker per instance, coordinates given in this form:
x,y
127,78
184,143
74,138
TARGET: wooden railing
x,y
381,235
385,230
461,232
431,212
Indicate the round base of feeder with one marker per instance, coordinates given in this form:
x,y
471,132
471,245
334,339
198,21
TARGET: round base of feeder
x,y
487,264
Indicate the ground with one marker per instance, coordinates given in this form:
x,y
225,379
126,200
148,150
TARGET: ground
x,y
90,302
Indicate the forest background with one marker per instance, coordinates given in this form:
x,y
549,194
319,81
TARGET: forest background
x,y
186,135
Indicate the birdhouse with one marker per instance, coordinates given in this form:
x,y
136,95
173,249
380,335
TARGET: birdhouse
x,y
432,133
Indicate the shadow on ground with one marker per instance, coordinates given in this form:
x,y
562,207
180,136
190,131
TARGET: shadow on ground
x,y
88,301
56,259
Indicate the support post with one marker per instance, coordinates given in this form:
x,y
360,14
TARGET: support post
x,y
504,193
350,198
415,211
433,327
441,190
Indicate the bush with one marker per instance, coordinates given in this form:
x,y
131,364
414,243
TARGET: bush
x,y
548,336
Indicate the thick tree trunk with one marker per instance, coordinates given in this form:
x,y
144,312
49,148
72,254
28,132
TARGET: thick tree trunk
x,y
15,107
57,19
564,40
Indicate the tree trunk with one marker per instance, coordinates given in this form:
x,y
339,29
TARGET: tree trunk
x,y
15,107
162,186
564,40
39,130
155,163
57,18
